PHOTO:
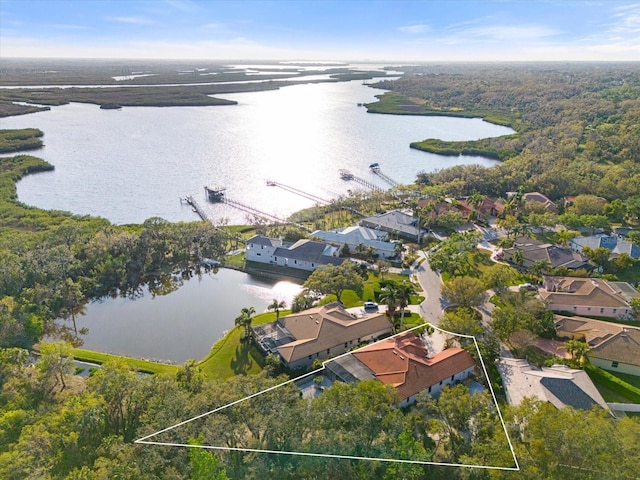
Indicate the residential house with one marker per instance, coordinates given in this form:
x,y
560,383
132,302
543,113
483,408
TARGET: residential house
x,y
613,346
560,385
487,209
403,362
587,296
303,255
611,242
396,223
532,251
357,235
320,332
530,197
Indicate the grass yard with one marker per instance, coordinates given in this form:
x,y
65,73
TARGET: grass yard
x,y
137,364
231,356
630,379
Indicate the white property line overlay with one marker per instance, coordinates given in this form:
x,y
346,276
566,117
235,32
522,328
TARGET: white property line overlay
x,y
145,440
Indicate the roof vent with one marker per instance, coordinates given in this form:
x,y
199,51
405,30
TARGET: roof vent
x,y
401,357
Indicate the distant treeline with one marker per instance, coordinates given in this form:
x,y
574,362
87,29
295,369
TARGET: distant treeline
x,y
577,124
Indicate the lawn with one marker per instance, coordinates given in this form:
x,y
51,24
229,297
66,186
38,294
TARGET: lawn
x,y
231,356
135,363
630,379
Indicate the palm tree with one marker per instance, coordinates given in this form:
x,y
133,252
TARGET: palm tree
x,y
577,349
245,319
277,306
404,292
390,296
518,257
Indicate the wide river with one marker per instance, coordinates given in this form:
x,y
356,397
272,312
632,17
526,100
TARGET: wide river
x,y
135,163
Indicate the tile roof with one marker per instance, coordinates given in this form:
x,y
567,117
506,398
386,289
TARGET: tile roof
x,y
325,327
403,362
556,256
594,292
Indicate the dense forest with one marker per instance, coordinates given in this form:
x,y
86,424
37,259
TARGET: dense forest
x,y
577,132
578,126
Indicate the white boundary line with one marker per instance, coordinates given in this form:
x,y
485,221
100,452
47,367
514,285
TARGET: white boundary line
x,y
145,440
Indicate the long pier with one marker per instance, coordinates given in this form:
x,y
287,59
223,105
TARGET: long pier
x,y
251,210
347,175
386,178
198,209
297,191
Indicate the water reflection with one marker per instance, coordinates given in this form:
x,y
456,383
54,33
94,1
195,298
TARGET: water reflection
x,y
148,323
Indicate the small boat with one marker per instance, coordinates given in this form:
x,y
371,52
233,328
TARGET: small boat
x,y
214,194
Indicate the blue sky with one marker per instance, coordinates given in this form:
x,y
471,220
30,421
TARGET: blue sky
x,y
417,30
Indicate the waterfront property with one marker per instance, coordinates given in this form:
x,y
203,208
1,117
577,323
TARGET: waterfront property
x,y
404,362
613,346
587,296
356,236
396,223
320,332
560,385
303,255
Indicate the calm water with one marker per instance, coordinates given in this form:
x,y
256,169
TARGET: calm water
x,y
181,325
135,163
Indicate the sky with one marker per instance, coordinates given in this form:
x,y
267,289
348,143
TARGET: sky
x,y
345,30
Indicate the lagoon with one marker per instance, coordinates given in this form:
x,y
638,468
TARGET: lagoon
x,y
131,164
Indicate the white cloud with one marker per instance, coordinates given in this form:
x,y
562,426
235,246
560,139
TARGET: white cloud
x,y
131,20
415,29
627,19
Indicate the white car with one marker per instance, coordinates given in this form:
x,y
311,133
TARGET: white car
x,y
370,306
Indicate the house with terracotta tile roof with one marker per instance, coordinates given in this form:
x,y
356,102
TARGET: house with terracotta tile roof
x,y
560,385
404,363
588,296
614,346
320,332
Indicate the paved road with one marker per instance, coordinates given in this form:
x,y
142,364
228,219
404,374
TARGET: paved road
x,y
433,305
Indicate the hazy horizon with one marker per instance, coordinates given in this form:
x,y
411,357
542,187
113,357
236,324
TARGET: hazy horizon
x,y
355,31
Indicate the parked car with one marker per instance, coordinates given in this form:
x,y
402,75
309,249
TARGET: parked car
x,y
526,286
370,306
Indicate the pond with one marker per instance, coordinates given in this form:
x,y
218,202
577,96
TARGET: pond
x,y
181,325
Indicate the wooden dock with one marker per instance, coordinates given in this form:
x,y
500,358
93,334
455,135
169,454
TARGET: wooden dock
x,y
198,209
297,191
347,176
386,178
